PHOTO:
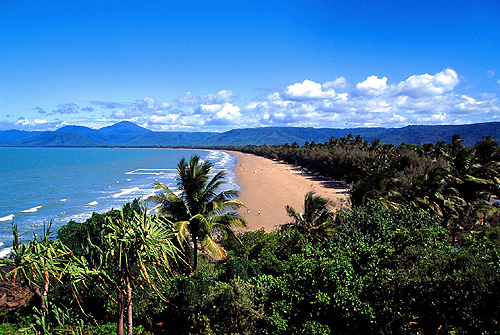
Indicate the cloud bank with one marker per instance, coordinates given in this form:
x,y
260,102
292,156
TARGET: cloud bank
x,y
420,99
373,102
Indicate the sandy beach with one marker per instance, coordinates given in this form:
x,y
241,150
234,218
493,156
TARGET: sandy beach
x,y
268,186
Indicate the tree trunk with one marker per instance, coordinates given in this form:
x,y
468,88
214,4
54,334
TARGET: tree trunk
x,y
43,294
129,305
119,316
195,251
453,234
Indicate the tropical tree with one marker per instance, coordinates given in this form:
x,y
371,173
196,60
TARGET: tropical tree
x,y
36,263
133,246
200,209
317,218
457,186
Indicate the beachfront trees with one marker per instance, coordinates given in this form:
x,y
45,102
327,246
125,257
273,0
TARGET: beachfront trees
x,y
452,180
201,208
317,218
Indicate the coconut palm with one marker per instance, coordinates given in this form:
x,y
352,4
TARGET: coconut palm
x,y
317,218
459,186
200,209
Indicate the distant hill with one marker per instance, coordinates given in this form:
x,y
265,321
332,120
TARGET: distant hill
x,y
471,133
11,136
272,136
129,134
410,134
174,139
124,127
60,139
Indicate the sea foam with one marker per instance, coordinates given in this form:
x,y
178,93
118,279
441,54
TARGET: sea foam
x,y
9,217
125,191
32,210
5,252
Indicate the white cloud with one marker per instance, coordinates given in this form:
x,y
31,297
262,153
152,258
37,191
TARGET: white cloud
x,y
209,116
146,103
36,124
372,86
490,73
422,85
23,121
224,114
308,89
164,120
119,114
229,112
141,108
210,108
420,99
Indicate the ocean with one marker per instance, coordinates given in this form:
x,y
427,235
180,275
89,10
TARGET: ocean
x,y
42,185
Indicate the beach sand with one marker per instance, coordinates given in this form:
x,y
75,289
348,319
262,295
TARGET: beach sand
x,y
268,186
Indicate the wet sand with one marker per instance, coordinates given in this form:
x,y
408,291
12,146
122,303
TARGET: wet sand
x,y
268,186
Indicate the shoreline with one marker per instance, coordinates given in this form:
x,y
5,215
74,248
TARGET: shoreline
x,y
265,185
102,182
268,186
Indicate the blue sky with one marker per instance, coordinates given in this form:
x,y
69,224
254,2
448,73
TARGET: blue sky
x,y
220,65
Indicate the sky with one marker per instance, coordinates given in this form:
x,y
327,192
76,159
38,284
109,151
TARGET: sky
x,y
221,65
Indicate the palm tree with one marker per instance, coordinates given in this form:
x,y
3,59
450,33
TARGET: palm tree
x,y
317,218
199,210
460,189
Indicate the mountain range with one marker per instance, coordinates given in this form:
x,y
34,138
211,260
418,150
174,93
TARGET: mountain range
x,y
128,134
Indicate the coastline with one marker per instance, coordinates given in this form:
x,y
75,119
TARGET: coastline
x,y
80,182
268,186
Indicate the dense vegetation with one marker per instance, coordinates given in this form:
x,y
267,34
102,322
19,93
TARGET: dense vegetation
x,y
454,181
418,253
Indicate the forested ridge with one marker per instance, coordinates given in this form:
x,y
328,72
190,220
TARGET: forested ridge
x,y
129,134
416,253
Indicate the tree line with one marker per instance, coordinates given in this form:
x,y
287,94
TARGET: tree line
x,y
452,180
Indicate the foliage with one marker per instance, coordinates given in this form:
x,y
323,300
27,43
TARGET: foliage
x,y
134,245
201,209
451,180
38,265
204,303
316,220
387,266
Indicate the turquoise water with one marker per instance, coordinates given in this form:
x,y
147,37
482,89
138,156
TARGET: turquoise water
x,y
39,185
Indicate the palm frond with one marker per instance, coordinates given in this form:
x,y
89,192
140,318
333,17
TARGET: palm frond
x,y
215,250
228,221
